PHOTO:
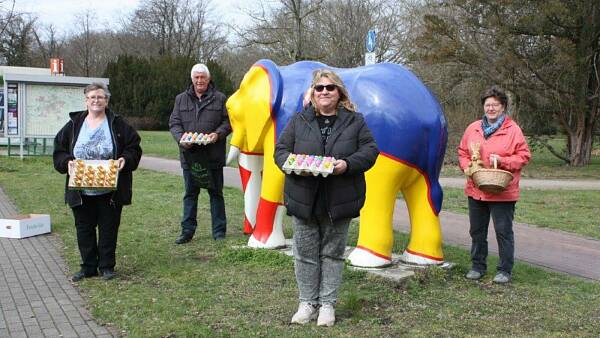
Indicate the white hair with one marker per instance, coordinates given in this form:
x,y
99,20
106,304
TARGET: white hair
x,y
199,68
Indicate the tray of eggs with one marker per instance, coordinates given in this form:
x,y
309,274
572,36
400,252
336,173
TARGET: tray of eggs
x,y
312,164
194,138
93,174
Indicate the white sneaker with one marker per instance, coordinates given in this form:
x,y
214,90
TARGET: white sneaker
x,y
326,315
306,312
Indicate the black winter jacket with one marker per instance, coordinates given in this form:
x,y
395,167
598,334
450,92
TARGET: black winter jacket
x,y
126,144
351,141
205,116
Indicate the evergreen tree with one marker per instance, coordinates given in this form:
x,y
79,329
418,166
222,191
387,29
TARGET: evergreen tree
x,y
143,90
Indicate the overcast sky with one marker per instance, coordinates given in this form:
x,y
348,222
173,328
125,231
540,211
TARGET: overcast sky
x,y
61,13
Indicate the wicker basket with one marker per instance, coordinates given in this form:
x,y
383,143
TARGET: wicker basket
x,y
492,180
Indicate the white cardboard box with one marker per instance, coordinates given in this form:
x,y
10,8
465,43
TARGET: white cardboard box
x,y
21,226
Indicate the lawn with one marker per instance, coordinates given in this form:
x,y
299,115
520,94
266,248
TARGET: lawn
x,y
542,165
209,288
161,144
573,211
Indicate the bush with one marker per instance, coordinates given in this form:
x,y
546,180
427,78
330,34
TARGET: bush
x,y
144,90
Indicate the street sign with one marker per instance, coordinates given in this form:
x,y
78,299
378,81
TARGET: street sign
x,y
371,41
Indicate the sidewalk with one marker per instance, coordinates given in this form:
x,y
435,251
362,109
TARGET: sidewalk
x,y
554,250
36,298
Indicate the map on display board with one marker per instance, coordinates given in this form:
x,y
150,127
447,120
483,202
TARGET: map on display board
x,y
48,107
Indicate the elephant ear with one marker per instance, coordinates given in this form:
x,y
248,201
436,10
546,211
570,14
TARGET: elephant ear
x,y
253,105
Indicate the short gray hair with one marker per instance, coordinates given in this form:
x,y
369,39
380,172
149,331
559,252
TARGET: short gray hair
x,y
200,68
95,86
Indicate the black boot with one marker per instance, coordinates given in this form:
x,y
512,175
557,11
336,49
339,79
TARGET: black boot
x,y
184,238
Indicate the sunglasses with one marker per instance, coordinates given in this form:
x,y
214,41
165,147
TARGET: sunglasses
x,y
329,87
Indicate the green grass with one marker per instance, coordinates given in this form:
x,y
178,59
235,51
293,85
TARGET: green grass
x,y
542,164
573,211
207,288
159,144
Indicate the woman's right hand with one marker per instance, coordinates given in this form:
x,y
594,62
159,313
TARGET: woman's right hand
x,y
70,167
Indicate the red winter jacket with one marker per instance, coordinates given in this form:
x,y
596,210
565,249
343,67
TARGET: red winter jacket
x,y
507,142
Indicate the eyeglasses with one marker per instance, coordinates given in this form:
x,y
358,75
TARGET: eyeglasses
x,y
329,87
99,98
492,105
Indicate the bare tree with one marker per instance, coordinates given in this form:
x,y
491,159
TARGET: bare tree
x,y
332,31
282,29
88,50
49,45
7,11
177,27
547,54
84,42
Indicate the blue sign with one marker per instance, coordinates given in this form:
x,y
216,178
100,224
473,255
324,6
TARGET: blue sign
x,y
371,41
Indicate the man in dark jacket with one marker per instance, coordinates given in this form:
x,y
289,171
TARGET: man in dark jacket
x,y
201,108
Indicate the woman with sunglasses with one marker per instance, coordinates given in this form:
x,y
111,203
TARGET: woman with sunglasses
x,y
322,207
501,140
97,133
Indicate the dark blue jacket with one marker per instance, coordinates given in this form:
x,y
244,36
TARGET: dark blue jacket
x,y
205,116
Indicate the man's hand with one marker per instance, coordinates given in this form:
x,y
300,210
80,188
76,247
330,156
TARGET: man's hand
x,y
186,145
339,167
213,137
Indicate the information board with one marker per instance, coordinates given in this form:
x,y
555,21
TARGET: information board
x,y
48,107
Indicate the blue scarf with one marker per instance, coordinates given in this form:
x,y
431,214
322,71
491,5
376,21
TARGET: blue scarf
x,y
489,129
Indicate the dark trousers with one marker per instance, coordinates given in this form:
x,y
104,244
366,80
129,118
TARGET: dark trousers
x,y
97,211
502,215
217,204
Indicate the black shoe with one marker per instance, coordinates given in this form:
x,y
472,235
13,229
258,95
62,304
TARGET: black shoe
x,y
108,274
81,275
183,238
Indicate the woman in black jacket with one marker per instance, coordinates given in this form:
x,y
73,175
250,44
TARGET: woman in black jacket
x,y
322,207
97,134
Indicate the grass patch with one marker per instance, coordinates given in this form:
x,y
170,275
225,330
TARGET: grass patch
x,y
574,211
206,288
542,164
159,144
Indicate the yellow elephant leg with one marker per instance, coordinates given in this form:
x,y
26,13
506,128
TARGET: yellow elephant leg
x,y
273,177
425,245
375,235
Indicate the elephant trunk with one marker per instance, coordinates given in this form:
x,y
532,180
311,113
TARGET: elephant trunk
x,y
234,154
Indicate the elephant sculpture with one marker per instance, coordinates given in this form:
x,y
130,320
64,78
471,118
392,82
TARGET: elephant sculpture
x,y
411,133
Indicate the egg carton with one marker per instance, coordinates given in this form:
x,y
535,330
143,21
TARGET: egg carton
x,y
312,164
94,175
194,138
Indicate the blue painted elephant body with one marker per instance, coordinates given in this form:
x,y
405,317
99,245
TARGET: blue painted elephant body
x,y
403,115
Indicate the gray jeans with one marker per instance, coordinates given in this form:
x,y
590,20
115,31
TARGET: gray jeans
x,y
319,258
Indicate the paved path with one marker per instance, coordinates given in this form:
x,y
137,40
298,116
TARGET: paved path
x,y
555,250
36,297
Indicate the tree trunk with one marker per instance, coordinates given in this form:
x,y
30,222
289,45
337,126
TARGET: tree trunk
x,y
586,107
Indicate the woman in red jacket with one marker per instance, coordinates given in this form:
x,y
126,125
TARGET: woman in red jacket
x,y
501,138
